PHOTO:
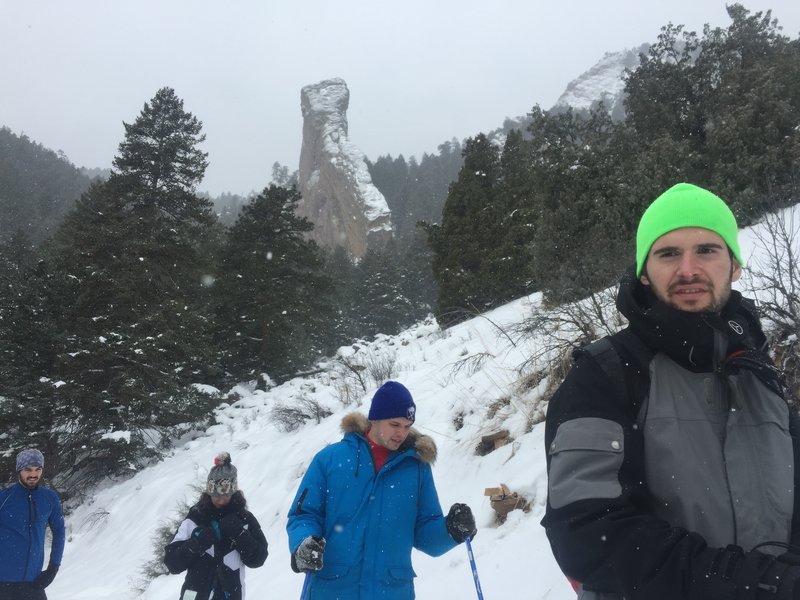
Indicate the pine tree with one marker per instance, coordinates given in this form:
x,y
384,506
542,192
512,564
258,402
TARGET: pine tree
x,y
383,305
137,250
160,150
463,246
576,177
344,324
417,283
272,292
29,321
515,259
662,96
750,75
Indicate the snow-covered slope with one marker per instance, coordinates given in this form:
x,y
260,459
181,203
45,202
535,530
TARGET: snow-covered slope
x,y
452,374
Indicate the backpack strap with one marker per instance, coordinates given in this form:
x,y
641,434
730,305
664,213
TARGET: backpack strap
x,y
631,380
607,357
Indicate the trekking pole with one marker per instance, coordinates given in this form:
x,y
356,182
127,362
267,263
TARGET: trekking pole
x,y
305,586
474,568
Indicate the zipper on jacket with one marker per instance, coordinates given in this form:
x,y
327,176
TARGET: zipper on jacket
x,y
31,506
719,363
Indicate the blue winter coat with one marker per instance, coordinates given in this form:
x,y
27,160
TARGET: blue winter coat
x,y
370,520
24,516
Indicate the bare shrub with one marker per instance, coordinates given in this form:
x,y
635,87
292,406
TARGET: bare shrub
x,y
346,392
560,330
96,518
497,406
357,374
354,371
469,365
558,372
381,368
350,383
291,417
773,278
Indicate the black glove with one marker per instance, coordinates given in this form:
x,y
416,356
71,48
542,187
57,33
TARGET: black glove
x,y
780,582
460,523
46,577
231,526
308,556
790,558
732,573
202,539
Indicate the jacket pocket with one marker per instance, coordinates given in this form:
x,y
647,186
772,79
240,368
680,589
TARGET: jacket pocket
x,y
585,458
401,574
333,571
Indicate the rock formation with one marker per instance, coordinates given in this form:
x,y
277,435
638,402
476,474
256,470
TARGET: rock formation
x,y
605,82
339,197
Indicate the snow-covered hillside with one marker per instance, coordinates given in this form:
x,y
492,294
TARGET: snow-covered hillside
x,y
458,372
456,376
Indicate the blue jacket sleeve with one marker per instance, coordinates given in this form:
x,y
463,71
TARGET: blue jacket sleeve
x,y
56,522
430,533
307,513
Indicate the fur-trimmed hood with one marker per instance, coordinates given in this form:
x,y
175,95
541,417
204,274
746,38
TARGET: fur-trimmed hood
x,y
424,445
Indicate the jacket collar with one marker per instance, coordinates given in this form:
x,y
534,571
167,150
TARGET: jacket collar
x,y
425,447
697,341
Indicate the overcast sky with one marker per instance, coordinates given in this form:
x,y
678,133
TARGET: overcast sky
x,y
420,72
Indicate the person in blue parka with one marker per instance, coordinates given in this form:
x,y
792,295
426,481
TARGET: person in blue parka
x,y
26,510
366,501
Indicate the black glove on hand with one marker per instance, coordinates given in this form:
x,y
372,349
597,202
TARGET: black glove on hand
x,y
308,556
231,526
202,539
731,573
46,577
460,523
780,582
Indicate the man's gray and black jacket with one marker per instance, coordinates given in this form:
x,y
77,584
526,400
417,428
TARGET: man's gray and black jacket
x,y
655,478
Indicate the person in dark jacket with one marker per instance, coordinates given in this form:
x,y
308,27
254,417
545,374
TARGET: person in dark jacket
x,y
673,473
365,501
26,510
217,540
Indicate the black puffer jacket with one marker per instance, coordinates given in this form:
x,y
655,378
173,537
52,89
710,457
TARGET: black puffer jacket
x,y
216,573
651,480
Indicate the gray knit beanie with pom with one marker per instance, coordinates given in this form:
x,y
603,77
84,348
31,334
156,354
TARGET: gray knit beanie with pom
x,y
222,477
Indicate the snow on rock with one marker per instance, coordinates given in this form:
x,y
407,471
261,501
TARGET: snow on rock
x,y
338,194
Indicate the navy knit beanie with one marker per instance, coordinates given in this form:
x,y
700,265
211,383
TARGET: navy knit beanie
x,y
392,400
30,457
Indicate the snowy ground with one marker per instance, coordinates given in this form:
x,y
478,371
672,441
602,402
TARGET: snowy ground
x,y
109,538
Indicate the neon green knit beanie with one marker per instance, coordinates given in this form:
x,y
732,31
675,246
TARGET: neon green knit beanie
x,y
685,205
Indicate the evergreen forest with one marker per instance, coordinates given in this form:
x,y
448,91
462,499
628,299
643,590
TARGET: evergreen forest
x,y
126,302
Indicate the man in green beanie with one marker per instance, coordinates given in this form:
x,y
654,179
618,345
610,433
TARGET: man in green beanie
x,y
671,451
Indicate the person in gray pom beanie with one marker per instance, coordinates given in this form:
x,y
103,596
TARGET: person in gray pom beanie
x,y
367,500
26,510
217,539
